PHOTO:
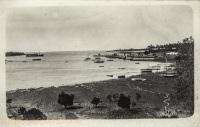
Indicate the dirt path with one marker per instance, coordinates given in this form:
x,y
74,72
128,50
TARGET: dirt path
x,y
165,101
166,95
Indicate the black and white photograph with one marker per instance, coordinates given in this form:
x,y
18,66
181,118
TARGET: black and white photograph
x,y
99,62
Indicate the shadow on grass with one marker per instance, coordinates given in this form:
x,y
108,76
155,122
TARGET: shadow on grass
x,y
173,116
124,113
72,108
100,107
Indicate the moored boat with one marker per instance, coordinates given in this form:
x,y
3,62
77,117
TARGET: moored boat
x,y
110,60
138,79
87,58
36,59
146,70
99,61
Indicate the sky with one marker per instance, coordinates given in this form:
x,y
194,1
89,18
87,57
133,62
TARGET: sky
x,y
77,28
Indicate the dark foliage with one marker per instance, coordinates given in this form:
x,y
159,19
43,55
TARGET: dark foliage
x,y
95,101
9,101
65,99
115,96
184,83
14,53
124,102
133,103
124,114
34,114
173,116
21,111
109,97
138,96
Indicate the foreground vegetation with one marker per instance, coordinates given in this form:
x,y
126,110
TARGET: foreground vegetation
x,y
149,105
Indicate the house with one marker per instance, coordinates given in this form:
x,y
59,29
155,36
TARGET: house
x,y
133,53
172,53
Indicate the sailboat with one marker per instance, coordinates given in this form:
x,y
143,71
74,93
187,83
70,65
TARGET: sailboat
x,y
87,58
147,69
169,71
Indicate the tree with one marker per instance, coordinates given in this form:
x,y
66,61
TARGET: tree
x,y
124,102
21,111
34,114
138,96
9,101
184,83
146,52
95,101
65,99
133,103
115,96
109,97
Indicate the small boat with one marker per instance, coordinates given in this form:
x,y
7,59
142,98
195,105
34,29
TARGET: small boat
x,y
110,60
137,63
101,66
170,73
87,58
122,76
146,70
121,68
97,58
99,61
156,67
9,61
110,75
138,79
36,59
99,55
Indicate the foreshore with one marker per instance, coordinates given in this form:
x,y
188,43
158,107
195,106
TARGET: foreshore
x,y
155,99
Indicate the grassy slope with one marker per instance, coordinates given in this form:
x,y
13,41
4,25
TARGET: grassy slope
x,y
152,90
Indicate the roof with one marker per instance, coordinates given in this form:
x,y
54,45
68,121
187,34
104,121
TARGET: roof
x,y
140,51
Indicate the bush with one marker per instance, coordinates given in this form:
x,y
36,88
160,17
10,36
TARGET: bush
x,y
65,99
109,97
138,96
34,114
115,96
133,104
9,101
184,83
95,101
21,111
124,102
123,114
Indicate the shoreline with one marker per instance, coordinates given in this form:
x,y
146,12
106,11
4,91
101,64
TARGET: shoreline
x,y
38,88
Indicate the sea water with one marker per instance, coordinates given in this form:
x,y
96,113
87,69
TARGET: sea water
x,y
66,68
